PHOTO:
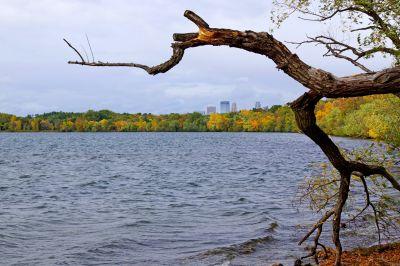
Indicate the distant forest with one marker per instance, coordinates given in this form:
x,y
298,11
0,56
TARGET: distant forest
x,y
376,117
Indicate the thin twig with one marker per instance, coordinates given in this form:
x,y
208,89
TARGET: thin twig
x,y
84,51
76,51
91,51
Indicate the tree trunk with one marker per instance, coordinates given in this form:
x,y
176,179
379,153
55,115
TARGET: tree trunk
x,y
342,198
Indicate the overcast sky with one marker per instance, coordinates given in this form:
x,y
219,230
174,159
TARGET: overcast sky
x,y
35,78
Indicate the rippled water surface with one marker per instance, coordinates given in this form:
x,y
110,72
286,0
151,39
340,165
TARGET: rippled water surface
x,y
153,198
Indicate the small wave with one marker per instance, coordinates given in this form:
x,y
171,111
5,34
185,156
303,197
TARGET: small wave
x,y
114,245
115,176
88,184
238,213
193,184
24,176
137,223
180,205
230,213
102,251
7,244
233,251
99,184
41,206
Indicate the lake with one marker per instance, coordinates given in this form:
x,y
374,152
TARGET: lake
x,y
154,198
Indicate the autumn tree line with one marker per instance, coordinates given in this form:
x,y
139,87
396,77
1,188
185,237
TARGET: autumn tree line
x,y
376,117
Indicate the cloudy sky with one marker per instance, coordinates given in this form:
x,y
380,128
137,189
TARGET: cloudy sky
x,y
35,78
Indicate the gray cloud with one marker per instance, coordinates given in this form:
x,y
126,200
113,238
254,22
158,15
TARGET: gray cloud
x,y
35,78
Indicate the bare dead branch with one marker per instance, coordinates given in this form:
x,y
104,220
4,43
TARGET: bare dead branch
x,y
161,68
73,48
331,45
90,47
354,62
317,80
184,37
196,19
84,51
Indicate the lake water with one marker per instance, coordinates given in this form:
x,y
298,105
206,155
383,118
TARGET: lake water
x,y
153,198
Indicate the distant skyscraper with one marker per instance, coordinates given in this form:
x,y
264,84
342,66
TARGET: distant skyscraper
x,y
257,105
225,107
211,110
234,107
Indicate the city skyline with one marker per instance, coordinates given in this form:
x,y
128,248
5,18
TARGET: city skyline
x,y
227,107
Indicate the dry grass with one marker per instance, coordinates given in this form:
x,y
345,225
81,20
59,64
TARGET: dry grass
x,y
384,255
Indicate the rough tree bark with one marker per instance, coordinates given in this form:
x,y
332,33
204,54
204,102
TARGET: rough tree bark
x,y
320,84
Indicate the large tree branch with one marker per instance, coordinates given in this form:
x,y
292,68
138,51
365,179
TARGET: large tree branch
x,y
260,43
368,170
317,80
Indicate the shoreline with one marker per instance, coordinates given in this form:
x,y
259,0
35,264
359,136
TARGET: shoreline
x,y
218,132
385,254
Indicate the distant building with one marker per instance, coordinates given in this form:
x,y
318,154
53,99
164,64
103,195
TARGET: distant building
x,y
201,112
257,105
211,110
225,107
234,108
